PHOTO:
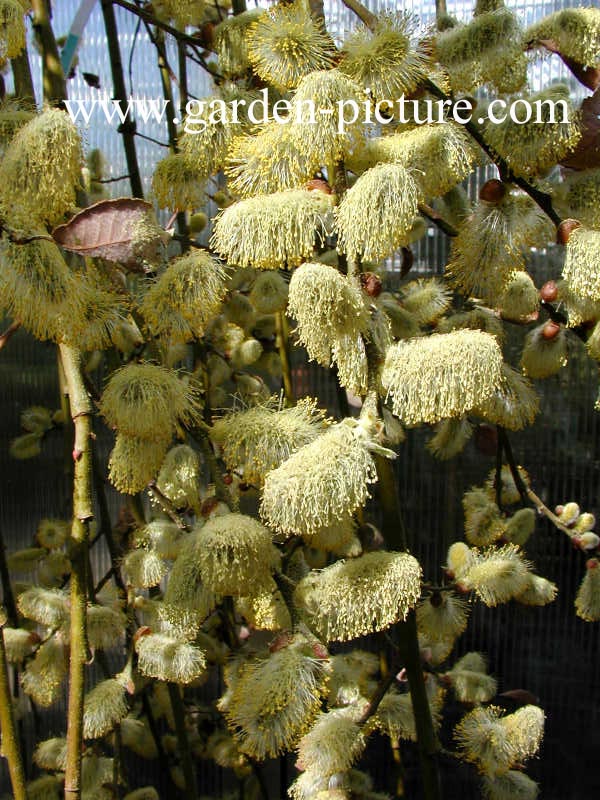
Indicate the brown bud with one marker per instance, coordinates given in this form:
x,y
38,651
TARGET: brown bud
x,y
550,330
371,283
549,292
318,185
492,191
565,229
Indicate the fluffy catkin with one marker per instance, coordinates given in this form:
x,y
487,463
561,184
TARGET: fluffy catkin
x,y
272,701
261,438
361,595
321,483
272,231
385,59
236,555
188,294
286,43
41,170
376,214
460,369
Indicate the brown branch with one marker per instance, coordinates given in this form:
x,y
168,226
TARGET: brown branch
x,y
363,13
525,491
380,692
543,200
433,216
168,507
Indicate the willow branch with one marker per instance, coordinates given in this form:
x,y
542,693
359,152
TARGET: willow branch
x,y
10,741
8,597
433,216
168,507
21,70
185,751
362,12
7,335
282,336
543,200
81,413
126,128
55,87
525,491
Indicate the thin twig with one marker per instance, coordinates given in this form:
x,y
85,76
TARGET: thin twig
x,y
168,507
433,216
362,12
525,491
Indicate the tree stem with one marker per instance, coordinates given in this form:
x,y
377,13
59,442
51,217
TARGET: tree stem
x,y
185,752
23,81
55,87
394,533
10,743
81,413
126,128
281,329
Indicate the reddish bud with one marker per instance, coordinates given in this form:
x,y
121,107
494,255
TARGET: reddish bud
x,y
208,506
492,191
318,185
592,563
228,479
145,630
76,454
320,651
371,283
565,229
281,641
549,292
550,330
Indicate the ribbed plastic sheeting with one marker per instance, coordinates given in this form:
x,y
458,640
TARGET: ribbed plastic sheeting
x,y
547,651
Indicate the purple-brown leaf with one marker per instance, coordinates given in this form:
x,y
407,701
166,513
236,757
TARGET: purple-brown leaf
x,y
587,153
123,230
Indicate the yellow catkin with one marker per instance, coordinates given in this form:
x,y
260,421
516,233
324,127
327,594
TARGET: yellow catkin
x,y
376,214
41,170
460,368
321,483
273,701
360,595
385,59
286,43
273,230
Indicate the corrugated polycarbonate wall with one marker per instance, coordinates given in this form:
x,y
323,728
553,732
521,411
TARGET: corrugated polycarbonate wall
x,y
547,651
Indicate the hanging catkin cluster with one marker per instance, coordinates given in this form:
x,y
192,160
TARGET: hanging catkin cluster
x,y
321,483
145,403
272,701
261,438
272,231
442,375
360,595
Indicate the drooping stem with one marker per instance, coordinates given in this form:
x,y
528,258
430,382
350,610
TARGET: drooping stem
x,y
282,333
362,12
81,414
525,491
238,6
427,741
55,87
394,533
23,81
185,752
126,128
167,89
10,742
